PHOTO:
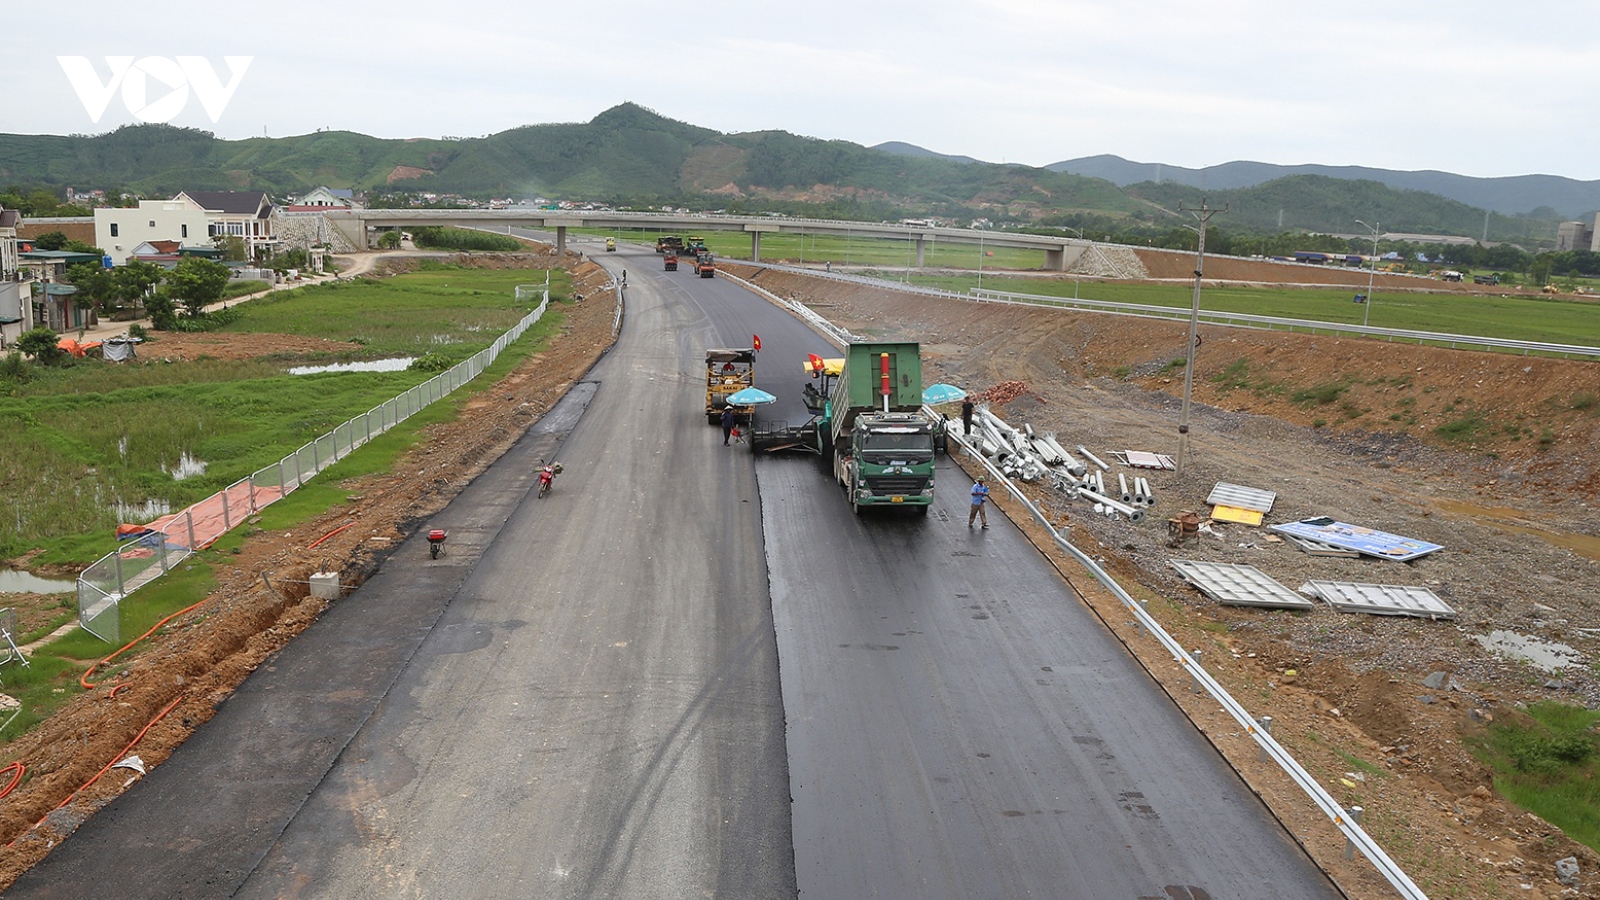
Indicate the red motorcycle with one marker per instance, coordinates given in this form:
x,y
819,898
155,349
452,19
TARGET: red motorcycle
x,y
547,478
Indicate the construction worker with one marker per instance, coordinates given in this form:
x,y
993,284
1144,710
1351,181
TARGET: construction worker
x,y
980,499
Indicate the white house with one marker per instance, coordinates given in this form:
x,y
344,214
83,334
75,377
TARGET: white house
x,y
13,320
241,214
118,230
328,197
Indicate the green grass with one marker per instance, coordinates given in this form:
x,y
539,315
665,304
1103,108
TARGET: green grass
x,y
1528,318
1547,762
77,442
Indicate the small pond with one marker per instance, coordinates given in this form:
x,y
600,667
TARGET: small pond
x,y
13,581
397,364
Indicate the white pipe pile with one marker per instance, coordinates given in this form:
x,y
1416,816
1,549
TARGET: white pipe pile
x,y
1023,455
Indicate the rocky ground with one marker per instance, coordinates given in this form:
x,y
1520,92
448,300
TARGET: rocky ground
x,y
1510,498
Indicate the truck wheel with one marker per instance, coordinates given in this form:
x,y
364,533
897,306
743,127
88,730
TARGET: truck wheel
x,y
922,510
854,506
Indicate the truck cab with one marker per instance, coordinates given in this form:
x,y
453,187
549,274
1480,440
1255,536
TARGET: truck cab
x,y
889,461
611,245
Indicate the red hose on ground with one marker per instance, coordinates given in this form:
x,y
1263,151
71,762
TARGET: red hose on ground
x,y
108,766
330,534
16,779
114,760
84,679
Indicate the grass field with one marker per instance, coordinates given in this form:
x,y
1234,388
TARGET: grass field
x,y
79,442
1531,318
1534,317
1546,760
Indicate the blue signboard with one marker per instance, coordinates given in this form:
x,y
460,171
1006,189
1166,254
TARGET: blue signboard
x,y
1366,541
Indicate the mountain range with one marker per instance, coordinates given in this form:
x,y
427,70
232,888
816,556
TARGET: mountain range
x,y
631,155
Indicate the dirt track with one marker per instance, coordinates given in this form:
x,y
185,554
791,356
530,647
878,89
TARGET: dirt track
x,y
1355,692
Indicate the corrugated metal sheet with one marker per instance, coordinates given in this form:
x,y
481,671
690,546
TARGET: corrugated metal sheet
x,y
1368,541
1225,494
1380,599
1139,459
1232,584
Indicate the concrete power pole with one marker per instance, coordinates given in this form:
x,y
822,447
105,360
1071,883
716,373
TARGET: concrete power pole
x,y
1204,214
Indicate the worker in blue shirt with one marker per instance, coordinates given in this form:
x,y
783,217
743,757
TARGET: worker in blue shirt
x,y
980,499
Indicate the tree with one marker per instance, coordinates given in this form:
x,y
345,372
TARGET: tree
x,y
162,310
134,281
197,282
95,285
51,240
389,240
41,344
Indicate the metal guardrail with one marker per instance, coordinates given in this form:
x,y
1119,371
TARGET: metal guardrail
x,y
1212,317
1244,320
138,562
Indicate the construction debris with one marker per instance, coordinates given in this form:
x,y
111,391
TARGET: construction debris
x,y
1004,392
1139,459
1239,585
1380,599
1366,541
1238,496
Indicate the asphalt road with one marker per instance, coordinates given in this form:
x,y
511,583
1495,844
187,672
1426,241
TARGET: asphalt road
x,y
583,699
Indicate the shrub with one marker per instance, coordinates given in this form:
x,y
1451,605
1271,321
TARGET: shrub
x,y
442,238
40,343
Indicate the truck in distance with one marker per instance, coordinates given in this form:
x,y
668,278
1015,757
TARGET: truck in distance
x,y
669,243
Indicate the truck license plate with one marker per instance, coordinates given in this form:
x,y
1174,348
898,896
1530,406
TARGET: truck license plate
x,y
896,499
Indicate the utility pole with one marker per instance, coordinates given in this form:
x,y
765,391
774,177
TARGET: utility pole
x,y
1204,214
1366,305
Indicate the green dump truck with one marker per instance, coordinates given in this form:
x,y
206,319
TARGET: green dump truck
x,y
880,440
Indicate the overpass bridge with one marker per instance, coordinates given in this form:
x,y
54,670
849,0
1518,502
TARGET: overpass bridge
x,y
358,225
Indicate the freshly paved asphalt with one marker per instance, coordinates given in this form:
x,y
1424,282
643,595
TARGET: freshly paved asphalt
x,y
584,697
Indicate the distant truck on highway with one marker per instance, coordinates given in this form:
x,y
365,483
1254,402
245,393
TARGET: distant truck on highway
x,y
872,433
669,243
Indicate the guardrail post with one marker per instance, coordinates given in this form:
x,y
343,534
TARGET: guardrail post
x,y
1266,728
122,589
227,520
188,519
251,481
1354,815
1194,674
1144,607
316,459
283,488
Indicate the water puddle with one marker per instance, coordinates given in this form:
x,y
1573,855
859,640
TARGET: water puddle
x,y
14,582
1546,655
187,467
1507,519
397,364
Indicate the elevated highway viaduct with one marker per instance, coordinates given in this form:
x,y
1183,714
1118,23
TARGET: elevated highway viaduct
x,y
357,225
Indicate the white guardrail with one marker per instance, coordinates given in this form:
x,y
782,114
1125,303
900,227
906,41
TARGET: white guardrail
x,y
1345,820
1213,317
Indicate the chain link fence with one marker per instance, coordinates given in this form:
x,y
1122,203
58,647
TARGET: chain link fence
x,y
155,549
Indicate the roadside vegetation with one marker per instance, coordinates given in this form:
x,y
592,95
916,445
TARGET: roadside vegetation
x,y
434,237
102,433
87,439
1547,760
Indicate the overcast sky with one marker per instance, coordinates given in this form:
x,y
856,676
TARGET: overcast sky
x,y
1465,86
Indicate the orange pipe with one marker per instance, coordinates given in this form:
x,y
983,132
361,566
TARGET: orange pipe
x,y
16,779
330,534
84,679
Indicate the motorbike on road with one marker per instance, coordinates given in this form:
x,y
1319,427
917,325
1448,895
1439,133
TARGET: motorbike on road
x,y
547,478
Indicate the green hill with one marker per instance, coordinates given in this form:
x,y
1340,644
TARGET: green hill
x,y
631,155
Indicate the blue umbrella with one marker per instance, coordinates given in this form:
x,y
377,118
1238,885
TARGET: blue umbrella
x,y
936,394
750,397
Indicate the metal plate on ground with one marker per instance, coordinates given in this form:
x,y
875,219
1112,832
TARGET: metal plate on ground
x,y
1380,599
1232,584
1241,497
1236,514
1318,548
1139,459
1368,541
